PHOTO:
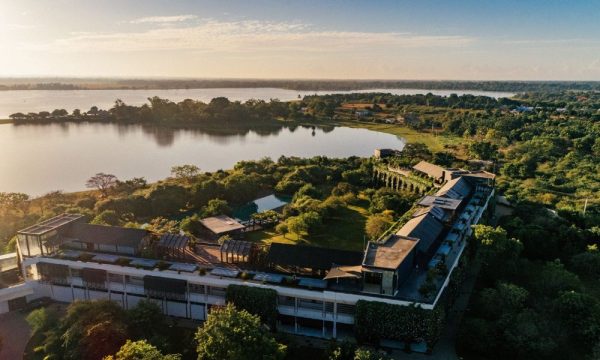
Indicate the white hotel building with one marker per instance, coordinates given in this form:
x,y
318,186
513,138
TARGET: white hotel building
x,y
65,259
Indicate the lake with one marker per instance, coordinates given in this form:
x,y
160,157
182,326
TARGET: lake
x,y
47,100
41,158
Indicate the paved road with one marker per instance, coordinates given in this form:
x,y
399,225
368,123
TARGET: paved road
x,y
15,333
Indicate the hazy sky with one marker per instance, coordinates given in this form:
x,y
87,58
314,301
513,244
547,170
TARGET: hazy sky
x,y
457,39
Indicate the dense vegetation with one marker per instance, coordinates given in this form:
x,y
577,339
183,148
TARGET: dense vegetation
x,y
94,329
325,192
257,301
537,294
378,320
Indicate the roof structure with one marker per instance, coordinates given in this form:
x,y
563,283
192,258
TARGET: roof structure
x,y
458,188
107,235
342,272
440,202
237,247
221,224
426,228
437,212
312,257
480,174
390,254
430,169
173,241
54,223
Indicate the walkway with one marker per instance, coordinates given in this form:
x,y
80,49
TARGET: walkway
x,y
15,333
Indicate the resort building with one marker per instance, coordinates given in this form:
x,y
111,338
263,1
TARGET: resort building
x,y
66,259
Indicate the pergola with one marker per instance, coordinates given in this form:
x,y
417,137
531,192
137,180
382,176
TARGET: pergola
x,y
173,245
236,251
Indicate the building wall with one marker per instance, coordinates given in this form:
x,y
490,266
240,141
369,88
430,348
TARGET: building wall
x,y
3,307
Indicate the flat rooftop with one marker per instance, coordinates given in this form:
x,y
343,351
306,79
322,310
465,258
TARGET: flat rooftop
x,y
50,224
390,254
221,224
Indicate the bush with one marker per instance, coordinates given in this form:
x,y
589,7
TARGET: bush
x,y
257,301
586,264
87,202
376,320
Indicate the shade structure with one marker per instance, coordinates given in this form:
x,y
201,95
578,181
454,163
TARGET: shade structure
x,y
236,251
173,245
344,272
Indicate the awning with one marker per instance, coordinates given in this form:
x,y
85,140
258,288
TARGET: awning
x,y
344,272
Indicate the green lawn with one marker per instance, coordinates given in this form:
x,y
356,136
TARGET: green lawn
x,y
344,231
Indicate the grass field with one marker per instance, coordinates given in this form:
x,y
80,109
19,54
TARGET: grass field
x,y
344,231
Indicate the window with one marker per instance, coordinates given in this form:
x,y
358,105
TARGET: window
x,y
196,288
134,280
116,278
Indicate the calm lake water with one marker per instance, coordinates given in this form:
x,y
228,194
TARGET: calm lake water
x,y
47,100
41,158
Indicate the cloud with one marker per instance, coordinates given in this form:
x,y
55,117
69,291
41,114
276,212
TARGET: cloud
x,y
248,36
163,19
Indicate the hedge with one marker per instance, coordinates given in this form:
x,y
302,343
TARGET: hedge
x,y
376,320
257,301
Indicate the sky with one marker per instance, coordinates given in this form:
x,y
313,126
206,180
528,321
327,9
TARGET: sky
x,y
326,39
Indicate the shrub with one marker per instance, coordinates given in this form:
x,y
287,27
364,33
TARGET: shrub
x,y
261,302
376,320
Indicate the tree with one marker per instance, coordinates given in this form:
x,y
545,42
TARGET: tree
x,y
483,150
499,254
366,354
107,217
147,321
376,225
236,335
141,350
185,172
168,199
42,319
579,316
553,279
304,223
89,330
103,182
215,207
14,201
586,264
282,229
